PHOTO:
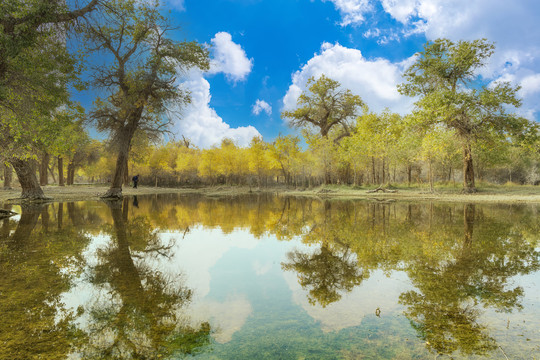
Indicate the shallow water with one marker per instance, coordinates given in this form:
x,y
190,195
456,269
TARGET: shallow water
x,y
269,277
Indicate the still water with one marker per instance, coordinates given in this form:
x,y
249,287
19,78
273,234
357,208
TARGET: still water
x,y
269,277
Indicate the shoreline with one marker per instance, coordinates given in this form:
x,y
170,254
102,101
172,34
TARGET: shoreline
x,y
489,194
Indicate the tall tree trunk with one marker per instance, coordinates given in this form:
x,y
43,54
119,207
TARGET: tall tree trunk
x,y
70,173
61,171
27,178
115,191
8,176
43,169
468,170
373,169
126,173
430,175
383,170
409,173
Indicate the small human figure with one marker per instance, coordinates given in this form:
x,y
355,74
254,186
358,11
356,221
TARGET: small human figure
x,y
135,181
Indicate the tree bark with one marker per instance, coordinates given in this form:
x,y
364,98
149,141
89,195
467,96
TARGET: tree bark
x,y
468,170
383,171
431,175
61,171
126,173
70,173
31,189
43,169
373,169
115,191
8,176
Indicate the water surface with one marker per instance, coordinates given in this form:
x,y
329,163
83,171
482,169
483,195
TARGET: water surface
x,y
269,277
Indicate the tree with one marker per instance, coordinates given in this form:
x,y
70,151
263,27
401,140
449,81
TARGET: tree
x,y
259,162
446,79
140,80
21,30
284,151
35,68
325,106
438,145
379,134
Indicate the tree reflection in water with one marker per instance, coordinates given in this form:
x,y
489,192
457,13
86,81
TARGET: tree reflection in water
x,y
136,315
37,265
326,273
454,280
459,258
445,307
136,312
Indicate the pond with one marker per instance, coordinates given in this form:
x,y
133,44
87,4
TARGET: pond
x,y
269,277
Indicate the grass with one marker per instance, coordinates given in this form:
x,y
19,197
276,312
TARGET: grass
x,y
442,192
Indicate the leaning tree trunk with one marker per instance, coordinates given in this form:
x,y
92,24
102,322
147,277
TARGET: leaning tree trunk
x,y
61,171
31,189
115,191
8,176
126,172
468,170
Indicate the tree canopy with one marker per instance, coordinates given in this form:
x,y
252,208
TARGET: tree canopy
x,y
325,105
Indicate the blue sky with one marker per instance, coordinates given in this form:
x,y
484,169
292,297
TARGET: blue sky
x,y
264,51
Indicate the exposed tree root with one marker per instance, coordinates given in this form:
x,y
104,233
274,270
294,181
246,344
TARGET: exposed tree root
x,y
113,194
380,188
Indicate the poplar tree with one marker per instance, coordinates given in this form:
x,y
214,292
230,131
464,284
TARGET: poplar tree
x,y
35,69
445,78
325,106
139,76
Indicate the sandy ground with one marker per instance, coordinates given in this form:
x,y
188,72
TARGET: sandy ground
x,y
516,194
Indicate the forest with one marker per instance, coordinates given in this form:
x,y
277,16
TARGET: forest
x,y
461,130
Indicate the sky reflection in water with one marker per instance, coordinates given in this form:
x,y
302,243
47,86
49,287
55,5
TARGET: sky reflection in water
x,y
264,276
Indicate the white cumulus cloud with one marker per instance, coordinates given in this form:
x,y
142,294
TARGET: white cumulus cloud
x,y
229,58
200,122
352,11
374,80
530,85
260,106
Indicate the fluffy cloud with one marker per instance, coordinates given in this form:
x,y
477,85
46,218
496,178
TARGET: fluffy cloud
x,y
229,58
201,124
400,10
352,11
261,105
374,80
198,121
530,85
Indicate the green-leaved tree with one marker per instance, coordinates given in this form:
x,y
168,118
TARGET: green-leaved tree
x,y
446,80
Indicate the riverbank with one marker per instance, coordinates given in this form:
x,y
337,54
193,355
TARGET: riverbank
x,y
486,193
